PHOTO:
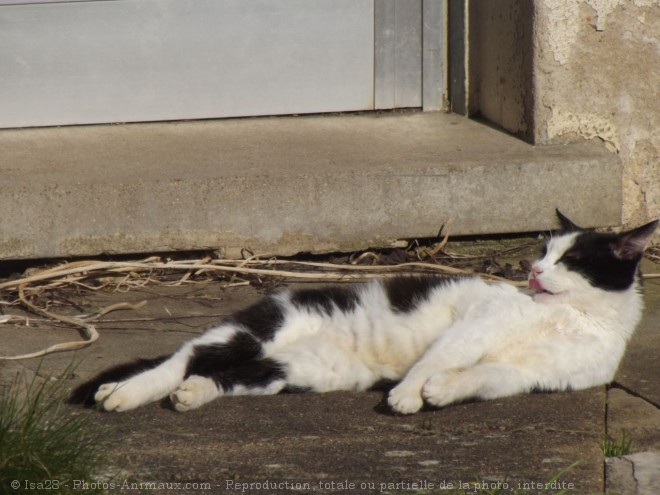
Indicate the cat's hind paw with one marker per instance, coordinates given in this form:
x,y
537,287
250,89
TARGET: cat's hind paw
x,y
442,389
404,402
116,397
104,391
193,393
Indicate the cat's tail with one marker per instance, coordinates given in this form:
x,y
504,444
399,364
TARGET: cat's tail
x,y
84,393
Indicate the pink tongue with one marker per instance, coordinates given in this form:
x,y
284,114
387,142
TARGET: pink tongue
x,y
535,284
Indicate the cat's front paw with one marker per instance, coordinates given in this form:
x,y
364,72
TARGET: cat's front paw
x,y
194,392
116,397
404,401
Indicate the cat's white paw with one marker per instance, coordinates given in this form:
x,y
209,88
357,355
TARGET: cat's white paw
x,y
404,401
439,390
104,391
194,392
117,397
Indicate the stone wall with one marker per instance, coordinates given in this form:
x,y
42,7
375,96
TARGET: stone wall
x,y
598,77
586,70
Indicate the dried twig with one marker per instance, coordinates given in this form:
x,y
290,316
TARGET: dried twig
x,y
431,253
11,318
90,332
111,308
340,272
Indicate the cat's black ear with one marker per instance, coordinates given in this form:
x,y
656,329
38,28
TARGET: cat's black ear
x,y
566,224
631,244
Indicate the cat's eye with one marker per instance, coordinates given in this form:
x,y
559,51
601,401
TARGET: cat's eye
x,y
572,255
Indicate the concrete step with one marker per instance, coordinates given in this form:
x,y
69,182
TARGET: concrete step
x,y
287,184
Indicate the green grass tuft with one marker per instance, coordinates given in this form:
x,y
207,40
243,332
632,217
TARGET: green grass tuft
x,y
614,448
43,445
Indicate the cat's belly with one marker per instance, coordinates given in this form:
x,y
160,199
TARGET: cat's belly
x,y
330,361
324,367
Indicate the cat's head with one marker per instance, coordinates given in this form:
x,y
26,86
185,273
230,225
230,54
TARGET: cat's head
x,y
578,260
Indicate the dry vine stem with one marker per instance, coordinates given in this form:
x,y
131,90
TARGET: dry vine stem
x,y
90,331
91,334
341,272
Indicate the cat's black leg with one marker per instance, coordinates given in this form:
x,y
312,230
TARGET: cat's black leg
x,y
230,346
255,377
234,368
148,386
160,381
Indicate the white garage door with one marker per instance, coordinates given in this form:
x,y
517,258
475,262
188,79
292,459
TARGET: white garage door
x,y
144,60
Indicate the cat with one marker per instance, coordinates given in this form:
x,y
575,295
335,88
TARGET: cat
x,y
443,340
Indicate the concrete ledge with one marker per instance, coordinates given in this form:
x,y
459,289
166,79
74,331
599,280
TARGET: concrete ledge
x,y
284,185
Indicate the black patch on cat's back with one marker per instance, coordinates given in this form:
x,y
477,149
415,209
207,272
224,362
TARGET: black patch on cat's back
x,y
326,299
262,319
591,256
406,293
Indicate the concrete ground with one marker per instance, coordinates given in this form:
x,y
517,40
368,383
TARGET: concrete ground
x,y
349,442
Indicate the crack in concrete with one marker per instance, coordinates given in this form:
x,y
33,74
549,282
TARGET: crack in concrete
x,y
634,477
634,393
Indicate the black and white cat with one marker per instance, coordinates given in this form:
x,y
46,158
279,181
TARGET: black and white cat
x,y
444,340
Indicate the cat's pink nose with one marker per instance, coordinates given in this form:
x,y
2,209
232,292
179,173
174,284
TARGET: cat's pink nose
x,y
536,271
534,283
